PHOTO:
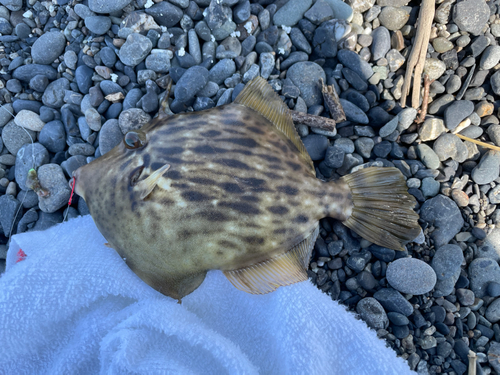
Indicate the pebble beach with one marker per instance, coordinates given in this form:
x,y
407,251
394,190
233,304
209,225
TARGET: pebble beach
x,y
75,76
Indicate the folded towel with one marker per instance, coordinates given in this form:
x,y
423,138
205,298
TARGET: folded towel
x,y
70,305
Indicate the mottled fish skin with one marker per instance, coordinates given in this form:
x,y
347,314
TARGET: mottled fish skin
x,y
237,192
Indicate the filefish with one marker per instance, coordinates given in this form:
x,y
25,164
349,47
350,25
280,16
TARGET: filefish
x,y
231,188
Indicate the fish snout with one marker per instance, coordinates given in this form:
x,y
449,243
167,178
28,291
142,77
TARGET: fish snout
x,y
75,183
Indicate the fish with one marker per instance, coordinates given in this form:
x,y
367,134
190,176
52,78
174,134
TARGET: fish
x,y
232,188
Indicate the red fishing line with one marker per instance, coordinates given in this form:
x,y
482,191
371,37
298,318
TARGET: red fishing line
x,y
72,191
21,255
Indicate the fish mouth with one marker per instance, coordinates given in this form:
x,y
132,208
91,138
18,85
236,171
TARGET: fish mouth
x,y
74,183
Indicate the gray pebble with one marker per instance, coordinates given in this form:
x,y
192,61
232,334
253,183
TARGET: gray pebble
x,y
53,136
445,216
447,261
411,276
291,13
393,18
450,146
29,156
352,60
372,312
490,57
192,81
98,25
222,70
428,156
135,49
381,43
393,301
103,6
53,96
471,15
488,168
430,187
52,178
48,47
457,112
316,146
109,136
353,113
132,119
306,76
482,271
10,213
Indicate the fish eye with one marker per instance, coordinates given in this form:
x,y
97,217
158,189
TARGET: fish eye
x,y
134,139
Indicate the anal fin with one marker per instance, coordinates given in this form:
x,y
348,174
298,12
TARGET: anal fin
x,y
285,269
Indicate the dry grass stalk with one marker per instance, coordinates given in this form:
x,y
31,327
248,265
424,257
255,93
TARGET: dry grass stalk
x,y
484,144
417,56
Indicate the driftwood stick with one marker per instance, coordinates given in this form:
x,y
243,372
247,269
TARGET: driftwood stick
x,y
319,122
472,362
425,101
418,52
332,102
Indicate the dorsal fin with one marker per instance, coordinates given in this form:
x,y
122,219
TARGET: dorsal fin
x,y
259,96
285,269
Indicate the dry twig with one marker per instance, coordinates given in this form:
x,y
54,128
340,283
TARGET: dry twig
x,y
472,362
425,102
417,56
332,102
319,122
483,144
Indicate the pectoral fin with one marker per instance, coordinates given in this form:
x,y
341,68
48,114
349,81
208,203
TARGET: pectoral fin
x,y
285,269
146,186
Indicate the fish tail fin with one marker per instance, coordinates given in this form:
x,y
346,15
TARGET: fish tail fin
x,y
382,207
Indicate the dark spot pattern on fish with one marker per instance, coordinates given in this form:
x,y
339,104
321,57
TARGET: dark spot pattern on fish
x,y
155,166
170,130
280,231
300,219
208,150
269,158
240,141
202,181
173,175
232,188
228,244
278,210
194,196
293,165
233,122
146,160
169,150
288,190
253,240
255,129
254,182
217,216
124,165
211,133
180,186
233,163
242,207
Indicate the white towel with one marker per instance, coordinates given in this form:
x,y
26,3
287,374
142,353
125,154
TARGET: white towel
x,y
72,306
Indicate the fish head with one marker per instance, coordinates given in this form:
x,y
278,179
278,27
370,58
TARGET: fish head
x,y
117,170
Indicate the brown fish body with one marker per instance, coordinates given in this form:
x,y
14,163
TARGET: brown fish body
x,y
217,189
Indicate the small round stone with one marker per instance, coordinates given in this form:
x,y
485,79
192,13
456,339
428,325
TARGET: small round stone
x,y
411,276
393,18
316,146
471,15
457,112
493,311
52,178
306,76
465,296
493,289
135,49
29,120
488,168
372,312
434,68
98,25
442,45
430,187
447,261
482,271
48,47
